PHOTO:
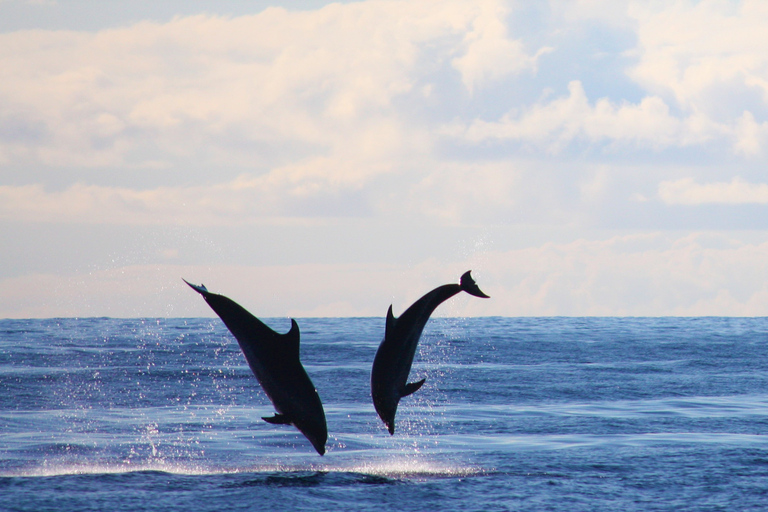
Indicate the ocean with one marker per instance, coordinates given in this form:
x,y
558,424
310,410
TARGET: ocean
x,y
539,414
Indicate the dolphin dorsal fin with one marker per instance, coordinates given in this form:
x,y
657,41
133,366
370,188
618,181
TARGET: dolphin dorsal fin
x,y
411,388
391,320
291,338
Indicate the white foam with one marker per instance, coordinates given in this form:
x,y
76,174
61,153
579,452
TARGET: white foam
x,y
402,467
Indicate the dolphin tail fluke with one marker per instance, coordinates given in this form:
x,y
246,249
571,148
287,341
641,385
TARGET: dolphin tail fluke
x,y
411,388
468,285
277,419
200,289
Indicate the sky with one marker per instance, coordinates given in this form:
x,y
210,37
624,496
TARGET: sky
x,y
581,157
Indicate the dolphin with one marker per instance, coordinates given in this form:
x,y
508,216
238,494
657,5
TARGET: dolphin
x,y
394,358
274,359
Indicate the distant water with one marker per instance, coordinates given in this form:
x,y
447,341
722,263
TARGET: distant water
x,y
536,414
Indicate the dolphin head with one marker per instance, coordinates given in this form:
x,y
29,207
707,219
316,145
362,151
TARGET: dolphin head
x,y
386,408
390,425
317,439
314,430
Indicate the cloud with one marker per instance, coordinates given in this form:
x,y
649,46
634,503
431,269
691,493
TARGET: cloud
x,y
702,67
643,275
300,290
93,204
490,55
244,200
749,135
311,191
608,12
273,115
556,123
737,191
709,56
220,90
648,274
330,112
408,121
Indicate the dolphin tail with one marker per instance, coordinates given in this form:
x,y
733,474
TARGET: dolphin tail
x,y
411,388
468,285
199,289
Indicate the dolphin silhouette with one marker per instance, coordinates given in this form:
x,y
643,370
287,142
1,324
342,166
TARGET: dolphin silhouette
x,y
394,358
274,359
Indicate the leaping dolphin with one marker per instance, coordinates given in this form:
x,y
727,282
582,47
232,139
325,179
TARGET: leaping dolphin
x,y
274,359
394,358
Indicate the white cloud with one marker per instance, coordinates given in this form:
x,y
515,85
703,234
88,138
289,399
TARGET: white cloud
x,y
558,122
749,135
382,112
112,97
490,54
317,188
308,106
654,275
701,51
305,106
456,194
219,89
303,290
608,12
650,274
737,191
244,200
703,67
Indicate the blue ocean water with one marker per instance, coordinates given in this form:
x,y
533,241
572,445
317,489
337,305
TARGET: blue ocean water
x,y
516,414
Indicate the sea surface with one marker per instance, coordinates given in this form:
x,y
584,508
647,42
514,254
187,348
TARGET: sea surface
x,y
571,414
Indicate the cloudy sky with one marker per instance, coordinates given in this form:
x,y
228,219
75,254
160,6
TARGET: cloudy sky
x,y
582,157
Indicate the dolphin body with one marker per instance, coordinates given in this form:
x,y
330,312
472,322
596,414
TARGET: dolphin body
x,y
394,358
274,359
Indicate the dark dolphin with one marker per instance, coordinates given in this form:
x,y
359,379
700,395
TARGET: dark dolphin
x,y
393,360
274,359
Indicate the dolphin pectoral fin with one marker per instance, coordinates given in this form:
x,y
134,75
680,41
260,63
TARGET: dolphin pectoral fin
x,y
277,419
411,388
470,286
